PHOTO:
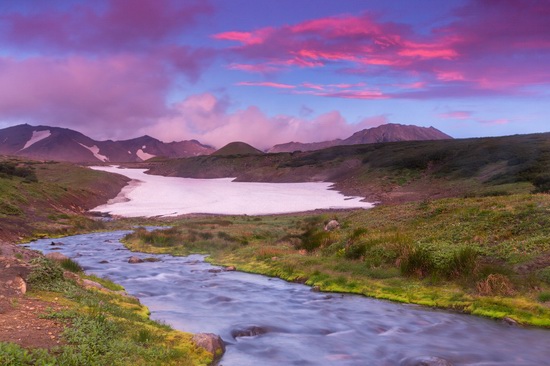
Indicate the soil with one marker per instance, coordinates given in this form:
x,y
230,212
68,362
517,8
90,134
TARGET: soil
x,y
21,319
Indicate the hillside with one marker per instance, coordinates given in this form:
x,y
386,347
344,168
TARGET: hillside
x,y
237,148
390,132
392,172
62,144
50,197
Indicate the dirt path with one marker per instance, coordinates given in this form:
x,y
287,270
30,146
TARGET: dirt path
x,y
21,319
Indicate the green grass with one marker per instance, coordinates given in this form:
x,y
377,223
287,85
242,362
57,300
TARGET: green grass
x,y
460,253
102,328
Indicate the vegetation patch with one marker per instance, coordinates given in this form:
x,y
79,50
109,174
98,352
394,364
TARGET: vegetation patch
x,y
475,255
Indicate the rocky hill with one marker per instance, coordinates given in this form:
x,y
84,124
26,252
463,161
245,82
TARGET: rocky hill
x,y
384,133
62,144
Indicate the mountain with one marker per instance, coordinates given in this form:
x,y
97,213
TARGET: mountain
x,y
384,133
237,148
63,144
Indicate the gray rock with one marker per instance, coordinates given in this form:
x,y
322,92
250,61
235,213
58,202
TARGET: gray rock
x,y
211,342
332,225
249,332
134,260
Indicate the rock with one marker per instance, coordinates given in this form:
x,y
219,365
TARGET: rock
x,y
425,361
230,268
332,225
103,262
91,284
214,270
134,260
71,276
58,257
212,343
510,321
55,243
248,332
316,289
20,285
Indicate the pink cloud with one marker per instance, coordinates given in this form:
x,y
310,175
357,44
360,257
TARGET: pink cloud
x,y
267,84
100,25
102,94
208,119
457,115
489,48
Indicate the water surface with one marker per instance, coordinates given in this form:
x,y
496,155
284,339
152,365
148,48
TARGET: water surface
x,y
297,326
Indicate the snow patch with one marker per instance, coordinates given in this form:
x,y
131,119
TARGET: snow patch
x,y
169,196
37,136
143,155
95,150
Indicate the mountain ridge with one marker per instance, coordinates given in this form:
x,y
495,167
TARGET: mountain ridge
x,y
390,132
64,144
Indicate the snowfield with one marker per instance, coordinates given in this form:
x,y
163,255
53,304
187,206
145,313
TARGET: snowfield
x,y
153,195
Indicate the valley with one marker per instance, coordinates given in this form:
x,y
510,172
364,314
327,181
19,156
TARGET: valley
x,y
460,225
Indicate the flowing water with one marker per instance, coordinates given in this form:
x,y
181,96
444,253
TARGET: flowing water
x,y
267,321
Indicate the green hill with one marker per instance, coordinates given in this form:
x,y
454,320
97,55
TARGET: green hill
x,y
237,148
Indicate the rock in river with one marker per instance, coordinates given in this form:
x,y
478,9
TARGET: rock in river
x,y
211,342
134,260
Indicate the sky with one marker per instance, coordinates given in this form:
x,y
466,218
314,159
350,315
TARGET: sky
x,y
273,71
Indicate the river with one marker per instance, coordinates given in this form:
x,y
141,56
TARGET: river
x,y
266,321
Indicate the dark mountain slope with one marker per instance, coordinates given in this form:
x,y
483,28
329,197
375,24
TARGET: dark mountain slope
x,y
384,133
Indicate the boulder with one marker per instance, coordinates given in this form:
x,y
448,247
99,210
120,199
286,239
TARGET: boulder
x,y
230,268
211,342
58,257
425,361
332,225
134,260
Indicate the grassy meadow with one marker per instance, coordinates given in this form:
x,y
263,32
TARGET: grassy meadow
x,y
487,256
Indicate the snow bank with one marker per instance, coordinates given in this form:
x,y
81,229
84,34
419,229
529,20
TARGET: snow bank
x,y
37,136
153,195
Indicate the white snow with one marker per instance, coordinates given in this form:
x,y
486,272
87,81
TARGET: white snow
x,y
95,150
37,136
154,195
143,155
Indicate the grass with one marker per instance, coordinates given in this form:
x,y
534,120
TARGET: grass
x,y
102,328
479,255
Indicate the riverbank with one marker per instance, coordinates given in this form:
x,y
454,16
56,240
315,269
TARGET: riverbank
x,y
486,256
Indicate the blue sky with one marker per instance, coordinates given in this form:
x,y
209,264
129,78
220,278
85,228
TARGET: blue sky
x,y
269,72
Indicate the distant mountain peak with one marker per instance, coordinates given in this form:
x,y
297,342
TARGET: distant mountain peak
x,y
389,132
63,144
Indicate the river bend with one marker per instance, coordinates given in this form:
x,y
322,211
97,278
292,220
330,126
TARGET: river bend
x,y
268,321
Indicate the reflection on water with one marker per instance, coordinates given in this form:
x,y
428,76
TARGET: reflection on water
x,y
268,321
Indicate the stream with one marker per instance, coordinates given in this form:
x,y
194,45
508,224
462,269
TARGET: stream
x,y
267,321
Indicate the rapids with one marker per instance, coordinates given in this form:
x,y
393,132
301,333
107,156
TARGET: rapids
x,y
266,321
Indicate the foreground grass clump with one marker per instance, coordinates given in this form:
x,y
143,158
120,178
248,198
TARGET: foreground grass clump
x,y
482,255
102,328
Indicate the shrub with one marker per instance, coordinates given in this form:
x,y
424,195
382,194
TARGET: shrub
x,y
544,296
495,284
544,275
45,274
417,262
355,251
463,263
71,265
